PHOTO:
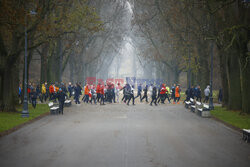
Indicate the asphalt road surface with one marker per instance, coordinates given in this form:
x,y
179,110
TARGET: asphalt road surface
x,y
116,135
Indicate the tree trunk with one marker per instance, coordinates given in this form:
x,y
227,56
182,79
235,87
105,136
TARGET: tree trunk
x,y
53,64
1,90
234,85
10,85
245,89
71,70
224,78
203,74
176,75
243,54
44,60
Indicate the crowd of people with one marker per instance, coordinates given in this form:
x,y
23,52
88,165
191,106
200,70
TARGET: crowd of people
x,y
195,93
110,93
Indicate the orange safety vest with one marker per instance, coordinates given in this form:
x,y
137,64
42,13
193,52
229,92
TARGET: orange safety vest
x,y
57,89
51,89
86,91
177,93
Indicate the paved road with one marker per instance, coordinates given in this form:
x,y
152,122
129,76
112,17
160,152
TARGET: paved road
x,y
124,136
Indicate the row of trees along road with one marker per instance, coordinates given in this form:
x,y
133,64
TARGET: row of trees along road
x,y
53,33
85,34
180,35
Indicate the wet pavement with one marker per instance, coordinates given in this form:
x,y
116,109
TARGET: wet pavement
x,y
117,135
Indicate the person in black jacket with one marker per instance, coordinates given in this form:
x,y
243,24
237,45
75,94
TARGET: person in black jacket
x,y
198,93
220,96
61,96
173,92
127,91
154,93
145,94
33,96
77,93
131,95
191,92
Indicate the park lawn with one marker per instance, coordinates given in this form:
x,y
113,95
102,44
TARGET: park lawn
x,y
10,120
234,118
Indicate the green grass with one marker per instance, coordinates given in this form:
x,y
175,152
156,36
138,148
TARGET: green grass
x,y
10,120
234,118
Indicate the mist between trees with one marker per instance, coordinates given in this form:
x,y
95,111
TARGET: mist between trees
x,y
156,39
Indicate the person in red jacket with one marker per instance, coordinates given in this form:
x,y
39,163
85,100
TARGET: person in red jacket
x,y
163,93
102,95
98,91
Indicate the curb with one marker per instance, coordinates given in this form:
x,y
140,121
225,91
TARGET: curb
x,y
226,124
9,131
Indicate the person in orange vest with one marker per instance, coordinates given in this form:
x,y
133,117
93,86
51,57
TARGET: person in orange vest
x,y
56,89
102,95
177,94
86,93
51,91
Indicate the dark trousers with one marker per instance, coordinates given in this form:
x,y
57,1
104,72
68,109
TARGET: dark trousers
x,y
206,99
101,99
166,97
105,96
162,97
61,105
126,97
123,97
173,97
41,98
139,94
86,99
177,99
131,97
98,96
77,99
113,95
44,97
29,97
93,98
33,101
145,97
50,96
198,98
154,99
109,97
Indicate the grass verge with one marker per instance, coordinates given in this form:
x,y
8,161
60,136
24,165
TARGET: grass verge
x,y
233,118
12,120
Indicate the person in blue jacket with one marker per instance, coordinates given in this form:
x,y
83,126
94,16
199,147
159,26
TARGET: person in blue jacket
x,y
139,89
